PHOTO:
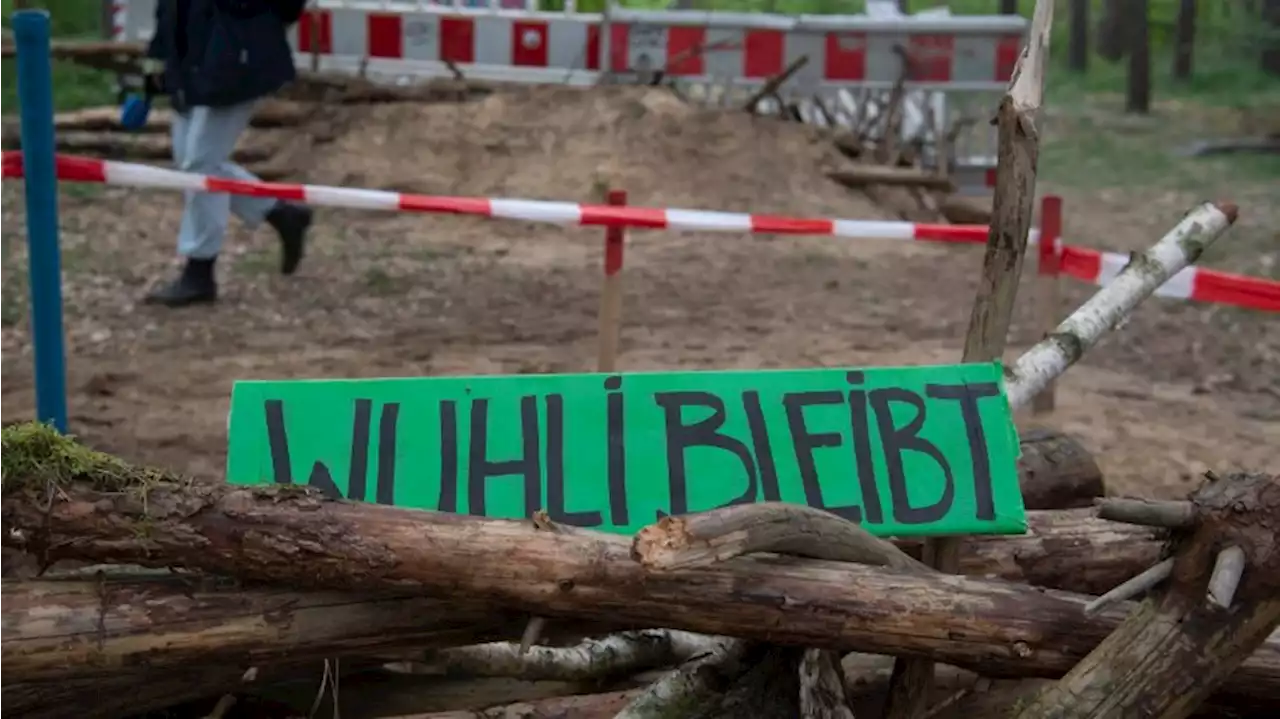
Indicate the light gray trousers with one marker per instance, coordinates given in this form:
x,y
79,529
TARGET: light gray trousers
x,y
203,140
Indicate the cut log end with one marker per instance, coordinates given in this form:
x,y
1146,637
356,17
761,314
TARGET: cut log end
x,y
1227,572
1228,208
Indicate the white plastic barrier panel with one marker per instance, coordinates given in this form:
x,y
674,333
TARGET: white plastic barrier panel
x,y
947,53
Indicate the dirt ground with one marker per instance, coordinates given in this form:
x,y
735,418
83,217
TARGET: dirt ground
x,y
1182,388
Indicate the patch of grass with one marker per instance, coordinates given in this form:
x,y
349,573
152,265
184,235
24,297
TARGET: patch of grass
x,y
74,86
1091,143
35,456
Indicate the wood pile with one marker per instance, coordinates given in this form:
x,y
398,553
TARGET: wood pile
x,y
253,587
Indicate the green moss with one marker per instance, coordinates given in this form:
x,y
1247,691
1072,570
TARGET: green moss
x,y
35,455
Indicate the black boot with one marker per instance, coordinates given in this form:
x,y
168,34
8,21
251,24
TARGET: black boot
x,y
290,221
195,285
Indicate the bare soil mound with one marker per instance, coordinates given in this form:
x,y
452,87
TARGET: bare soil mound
x,y
567,143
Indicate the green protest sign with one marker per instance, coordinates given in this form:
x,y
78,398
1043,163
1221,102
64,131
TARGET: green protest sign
x,y
904,451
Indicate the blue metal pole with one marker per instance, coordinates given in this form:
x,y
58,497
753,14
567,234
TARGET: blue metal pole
x,y
35,96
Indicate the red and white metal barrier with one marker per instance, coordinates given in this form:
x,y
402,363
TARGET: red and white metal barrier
x,y
949,53
841,49
1082,263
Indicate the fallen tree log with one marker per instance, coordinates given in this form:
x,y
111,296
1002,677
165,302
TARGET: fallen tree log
x,y
1056,472
62,500
62,628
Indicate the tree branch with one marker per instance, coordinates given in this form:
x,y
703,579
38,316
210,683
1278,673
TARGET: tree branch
x,y
1147,512
707,538
1140,584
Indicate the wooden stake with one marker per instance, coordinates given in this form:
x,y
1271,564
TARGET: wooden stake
x,y
1047,296
314,25
611,290
1017,153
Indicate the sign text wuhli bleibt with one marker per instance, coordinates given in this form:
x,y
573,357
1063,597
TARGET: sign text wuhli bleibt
x,y
901,450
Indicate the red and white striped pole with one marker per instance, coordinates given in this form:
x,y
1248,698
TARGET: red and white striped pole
x,y
1048,300
615,238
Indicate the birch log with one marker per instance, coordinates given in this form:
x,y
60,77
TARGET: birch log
x,y
1146,272
593,659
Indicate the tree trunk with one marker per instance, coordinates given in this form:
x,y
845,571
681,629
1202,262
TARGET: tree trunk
x,y
1078,45
61,629
103,509
1138,94
1184,40
1113,30
1269,58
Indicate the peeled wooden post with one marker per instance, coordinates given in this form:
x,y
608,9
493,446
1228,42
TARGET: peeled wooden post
x,y
1047,299
1018,151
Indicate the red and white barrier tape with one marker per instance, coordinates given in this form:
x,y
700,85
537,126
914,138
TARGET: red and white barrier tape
x,y
1092,266
1193,283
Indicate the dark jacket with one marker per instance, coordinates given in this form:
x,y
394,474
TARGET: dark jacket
x,y
223,52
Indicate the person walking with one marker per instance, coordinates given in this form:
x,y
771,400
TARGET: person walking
x,y
215,59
